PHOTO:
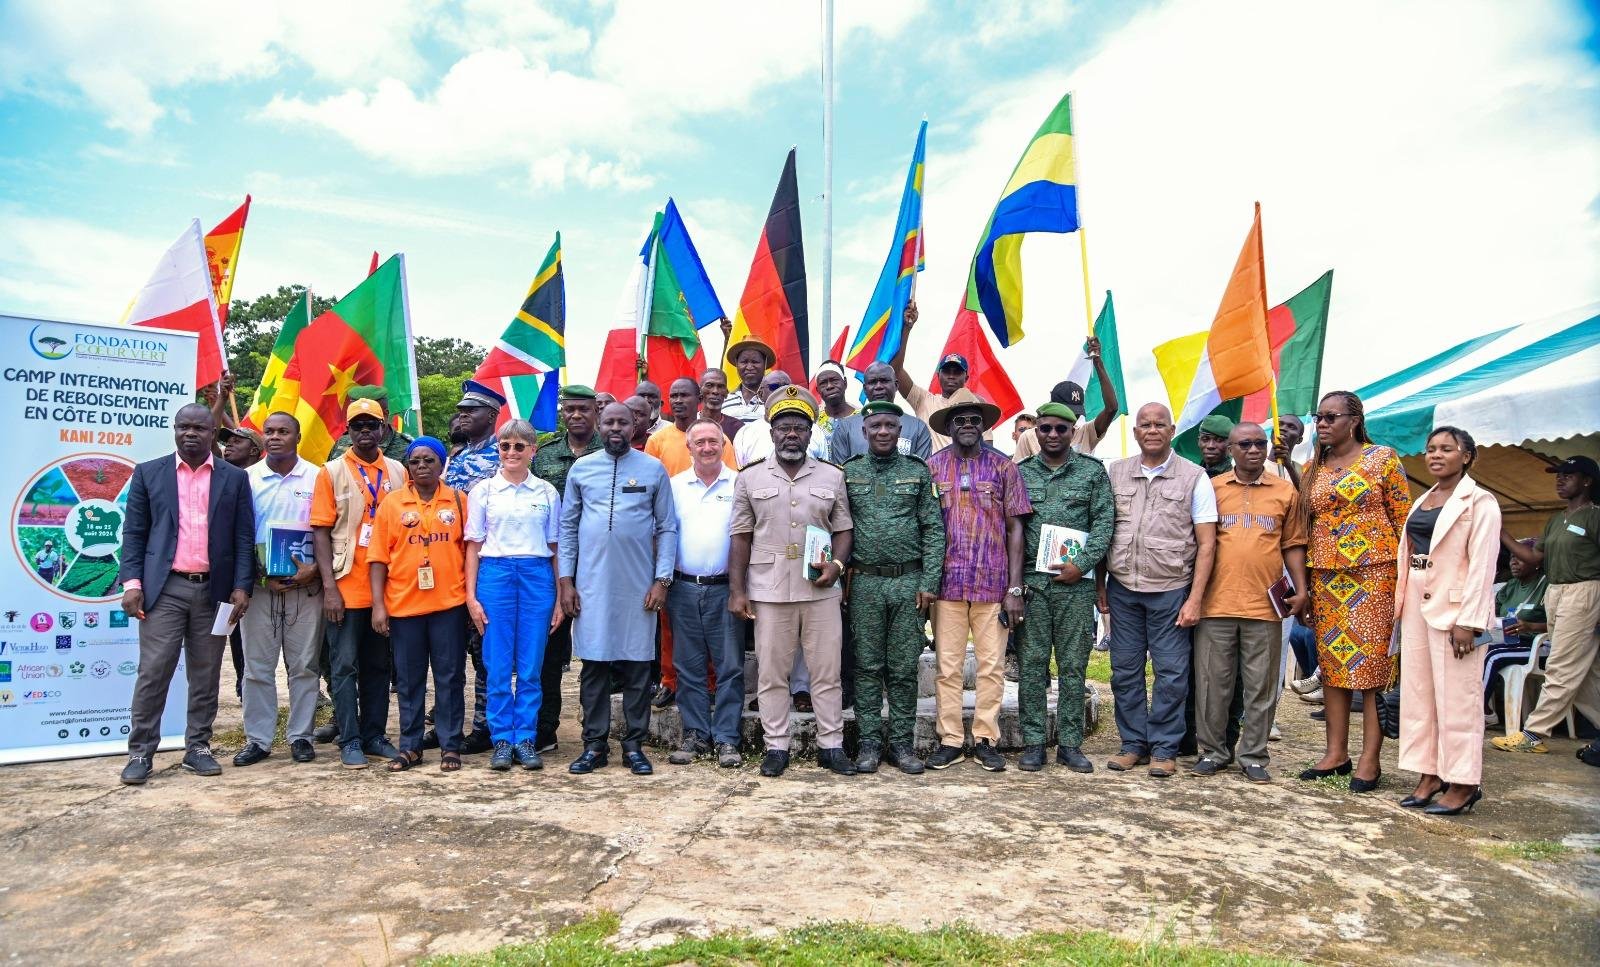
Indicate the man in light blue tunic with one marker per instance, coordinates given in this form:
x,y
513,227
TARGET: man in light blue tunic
x,y
619,539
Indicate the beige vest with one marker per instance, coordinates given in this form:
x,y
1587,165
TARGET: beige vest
x,y
349,495
1153,545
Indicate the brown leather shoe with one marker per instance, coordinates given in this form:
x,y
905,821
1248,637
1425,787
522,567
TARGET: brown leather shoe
x,y
1123,761
1163,768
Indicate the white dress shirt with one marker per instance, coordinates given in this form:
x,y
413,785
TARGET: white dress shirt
x,y
281,497
513,519
754,442
705,517
1202,500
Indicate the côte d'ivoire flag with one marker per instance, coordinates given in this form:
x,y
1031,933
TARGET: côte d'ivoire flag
x,y
364,340
534,343
1041,196
883,327
275,393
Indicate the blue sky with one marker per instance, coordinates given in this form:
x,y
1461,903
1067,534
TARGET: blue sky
x,y
1443,159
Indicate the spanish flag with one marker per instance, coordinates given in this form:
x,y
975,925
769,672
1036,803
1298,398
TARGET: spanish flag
x,y
222,253
773,306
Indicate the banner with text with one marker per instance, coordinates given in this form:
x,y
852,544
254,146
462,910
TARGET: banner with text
x,y
83,405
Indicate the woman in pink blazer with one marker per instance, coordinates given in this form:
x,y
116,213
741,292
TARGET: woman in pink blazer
x,y
1444,600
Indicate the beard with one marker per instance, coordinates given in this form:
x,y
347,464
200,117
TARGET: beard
x,y
617,445
791,453
459,434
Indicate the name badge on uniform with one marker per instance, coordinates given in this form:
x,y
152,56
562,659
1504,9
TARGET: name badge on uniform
x,y
365,537
633,488
1574,528
425,577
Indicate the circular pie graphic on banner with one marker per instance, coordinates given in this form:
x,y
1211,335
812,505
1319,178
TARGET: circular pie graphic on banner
x,y
67,525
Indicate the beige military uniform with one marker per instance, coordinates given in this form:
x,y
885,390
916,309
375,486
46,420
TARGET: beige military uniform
x,y
792,613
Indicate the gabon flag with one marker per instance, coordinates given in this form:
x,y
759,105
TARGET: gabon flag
x,y
179,296
534,345
222,255
773,305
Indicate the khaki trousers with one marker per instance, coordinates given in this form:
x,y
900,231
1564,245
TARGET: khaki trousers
x,y
1571,673
816,630
953,623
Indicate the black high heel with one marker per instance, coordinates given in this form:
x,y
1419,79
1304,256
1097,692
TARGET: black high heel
x,y
1414,801
1358,784
1438,809
1343,769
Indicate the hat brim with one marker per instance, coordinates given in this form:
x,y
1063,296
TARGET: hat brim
x,y
940,419
743,344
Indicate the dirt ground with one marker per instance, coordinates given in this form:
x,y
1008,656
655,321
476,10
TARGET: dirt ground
x,y
288,863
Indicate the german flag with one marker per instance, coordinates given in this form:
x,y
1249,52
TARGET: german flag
x,y
773,306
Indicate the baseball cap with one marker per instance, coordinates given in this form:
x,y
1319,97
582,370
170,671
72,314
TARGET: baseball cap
x,y
1579,465
363,408
955,359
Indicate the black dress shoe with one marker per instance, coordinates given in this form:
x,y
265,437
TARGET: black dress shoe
x,y
325,733
430,739
201,762
836,762
591,760
1342,769
1073,758
1440,809
136,771
477,742
1358,784
774,762
637,763
1031,759
301,750
664,696
250,755
1414,801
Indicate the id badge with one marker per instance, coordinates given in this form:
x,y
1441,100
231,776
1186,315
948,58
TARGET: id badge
x,y
425,578
365,537
1574,528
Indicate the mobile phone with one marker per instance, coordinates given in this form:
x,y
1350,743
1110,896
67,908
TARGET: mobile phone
x,y
1005,619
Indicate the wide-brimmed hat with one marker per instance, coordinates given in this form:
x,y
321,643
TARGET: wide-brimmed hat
x,y
751,342
963,399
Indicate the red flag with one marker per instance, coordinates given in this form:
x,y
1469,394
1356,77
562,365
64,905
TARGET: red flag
x,y
664,362
773,305
619,364
179,296
374,266
836,354
985,376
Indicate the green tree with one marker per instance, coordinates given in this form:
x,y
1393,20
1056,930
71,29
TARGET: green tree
x,y
440,394
447,356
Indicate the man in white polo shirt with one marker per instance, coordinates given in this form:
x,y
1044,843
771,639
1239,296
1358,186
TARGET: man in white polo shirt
x,y
287,617
705,635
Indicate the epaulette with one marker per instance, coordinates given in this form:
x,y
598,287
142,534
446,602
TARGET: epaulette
x,y
753,463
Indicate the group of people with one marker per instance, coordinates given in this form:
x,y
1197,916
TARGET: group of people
x,y
658,549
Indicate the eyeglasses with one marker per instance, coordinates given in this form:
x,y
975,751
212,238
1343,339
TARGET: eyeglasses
x,y
1250,444
1052,429
510,446
1330,417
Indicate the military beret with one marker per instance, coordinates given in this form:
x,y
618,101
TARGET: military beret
x,y
881,408
1058,410
577,391
1217,425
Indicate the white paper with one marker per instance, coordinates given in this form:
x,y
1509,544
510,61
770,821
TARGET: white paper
x,y
1056,543
223,625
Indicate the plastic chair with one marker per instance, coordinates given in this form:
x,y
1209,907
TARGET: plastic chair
x,y
1516,679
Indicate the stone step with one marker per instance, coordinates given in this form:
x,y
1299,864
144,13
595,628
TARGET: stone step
x,y
666,726
927,671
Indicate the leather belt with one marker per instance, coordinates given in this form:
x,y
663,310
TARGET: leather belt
x,y
704,579
888,570
1421,562
194,577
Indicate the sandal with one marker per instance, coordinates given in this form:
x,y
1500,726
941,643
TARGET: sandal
x,y
450,762
404,761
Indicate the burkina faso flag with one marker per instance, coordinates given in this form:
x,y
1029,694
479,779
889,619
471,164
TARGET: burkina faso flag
x,y
364,340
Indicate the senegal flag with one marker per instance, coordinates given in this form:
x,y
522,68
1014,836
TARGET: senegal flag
x,y
364,340
276,394
535,342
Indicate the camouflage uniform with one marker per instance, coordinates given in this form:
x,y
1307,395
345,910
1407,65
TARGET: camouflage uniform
x,y
556,458
469,466
1061,617
897,522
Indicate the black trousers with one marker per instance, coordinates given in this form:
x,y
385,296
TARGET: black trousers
x,y
436,640
594,694
362,661
557,655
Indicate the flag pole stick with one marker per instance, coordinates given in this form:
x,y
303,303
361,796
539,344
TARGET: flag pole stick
x,y
1083,259
1272,386
827,178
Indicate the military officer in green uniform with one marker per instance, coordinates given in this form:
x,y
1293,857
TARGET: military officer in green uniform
x,y
1071,490
896,563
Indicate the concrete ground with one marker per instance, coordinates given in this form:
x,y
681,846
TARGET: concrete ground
x,y
311,863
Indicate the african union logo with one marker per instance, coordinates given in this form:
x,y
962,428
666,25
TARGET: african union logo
x,y
48,344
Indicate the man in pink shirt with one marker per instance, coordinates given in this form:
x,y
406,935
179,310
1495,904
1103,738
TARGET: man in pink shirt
x,y
187,546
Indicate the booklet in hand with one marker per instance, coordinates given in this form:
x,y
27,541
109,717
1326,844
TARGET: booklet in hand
x,y
1279,594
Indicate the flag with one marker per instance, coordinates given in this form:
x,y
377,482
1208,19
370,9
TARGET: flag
x,y
534,343
773,305
985,375
1297,330
680,293
882,328
678,249
835,353
373,265
222,256
1083,371
619,363
364,340
275,394
1235,358
180,296
1041,196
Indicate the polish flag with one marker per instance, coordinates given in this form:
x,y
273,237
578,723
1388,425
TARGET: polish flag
x,y
179,296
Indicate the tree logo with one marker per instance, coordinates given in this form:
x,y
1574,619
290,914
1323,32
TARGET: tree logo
x,y
47,344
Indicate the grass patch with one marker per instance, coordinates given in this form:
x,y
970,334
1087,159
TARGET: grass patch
x,y
589,942
1531,851
1099,669
232,740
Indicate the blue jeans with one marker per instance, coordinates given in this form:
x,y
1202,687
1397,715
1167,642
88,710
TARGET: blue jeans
x,y
703,631
438,639
1145,623
1304,643
518,595
358,678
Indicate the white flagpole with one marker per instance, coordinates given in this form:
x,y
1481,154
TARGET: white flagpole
x,y
827,176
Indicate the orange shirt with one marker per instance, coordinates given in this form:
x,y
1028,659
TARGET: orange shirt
x,y
354,587
670,445
1256,523
413,533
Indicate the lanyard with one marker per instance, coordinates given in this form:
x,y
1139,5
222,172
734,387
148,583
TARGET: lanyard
x,y
372,489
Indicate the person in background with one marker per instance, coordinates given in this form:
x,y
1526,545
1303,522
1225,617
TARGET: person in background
x,y
417,565
669,444
392,444
831,383
1357,496
983,501
1569,550
1214,456
344,508
580,415
643,422
241,447
952,373
848,438
1444,599
1261,536
1086,434
750,358
1160,564
603,399
513,523
706,636
651,394
189,532
713,392
1290,432
754,440
1521,601
1022,424
287,617
619,538
1215,461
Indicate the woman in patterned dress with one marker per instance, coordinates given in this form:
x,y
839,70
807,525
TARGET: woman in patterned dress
x,y
1358,499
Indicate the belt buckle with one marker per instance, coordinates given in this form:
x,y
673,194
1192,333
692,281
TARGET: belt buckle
x,y
792,552
1420,562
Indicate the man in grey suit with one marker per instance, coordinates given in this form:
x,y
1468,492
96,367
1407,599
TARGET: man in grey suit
x,y
187,546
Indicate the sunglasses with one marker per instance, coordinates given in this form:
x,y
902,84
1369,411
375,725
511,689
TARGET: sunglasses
x,y
966,421
512,446
1251,444
1330,417
1052,429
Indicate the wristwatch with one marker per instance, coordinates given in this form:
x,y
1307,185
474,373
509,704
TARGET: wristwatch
x,y
664,582
1014,592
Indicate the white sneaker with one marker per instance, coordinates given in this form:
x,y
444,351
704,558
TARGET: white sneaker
x,y
1313,697
1311,683
1274,735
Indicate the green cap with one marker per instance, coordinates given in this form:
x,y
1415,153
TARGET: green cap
x,y
576,391
368,393
881,408
1217,425
1058,410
